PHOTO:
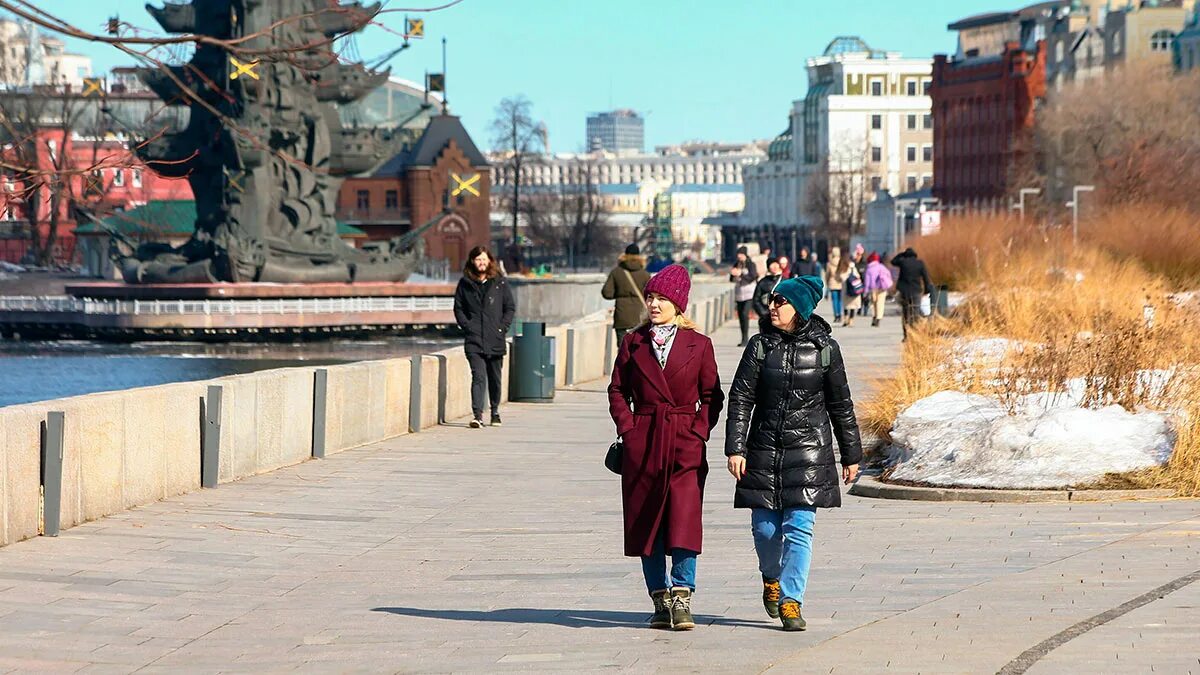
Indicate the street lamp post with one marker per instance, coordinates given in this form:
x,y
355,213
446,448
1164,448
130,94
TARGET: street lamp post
x,y
1074,204
1020,206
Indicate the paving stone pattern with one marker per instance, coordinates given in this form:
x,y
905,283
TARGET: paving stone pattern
x,y
499,550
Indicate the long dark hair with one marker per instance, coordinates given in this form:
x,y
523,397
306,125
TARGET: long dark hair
x,y
493,270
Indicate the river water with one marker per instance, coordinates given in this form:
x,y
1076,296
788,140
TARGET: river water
x,y
42,371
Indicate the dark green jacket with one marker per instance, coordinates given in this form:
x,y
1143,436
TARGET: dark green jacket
x,y
629,310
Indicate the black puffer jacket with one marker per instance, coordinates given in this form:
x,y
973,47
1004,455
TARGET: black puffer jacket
x,y
484,310
781,406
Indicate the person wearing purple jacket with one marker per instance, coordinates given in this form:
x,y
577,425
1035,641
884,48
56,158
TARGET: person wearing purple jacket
x,y
877,283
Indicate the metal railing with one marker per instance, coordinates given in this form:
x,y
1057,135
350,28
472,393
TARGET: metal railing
x,y
225,307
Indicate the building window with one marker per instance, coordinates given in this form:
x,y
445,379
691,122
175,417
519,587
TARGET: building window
x,y
118,178
926,85
927,121
927,181
911,153
1161,41
927,153
363,199
877,87
876,121
912,87
912,183
391,199
876,153
912,122
876,183
137,178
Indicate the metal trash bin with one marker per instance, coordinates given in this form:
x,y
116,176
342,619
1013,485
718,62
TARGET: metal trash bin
x,y
942,308
533,367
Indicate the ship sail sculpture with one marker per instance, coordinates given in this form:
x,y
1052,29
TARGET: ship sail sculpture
x,y
264,150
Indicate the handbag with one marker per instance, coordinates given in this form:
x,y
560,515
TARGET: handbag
x,y
925,306
614,456
854,285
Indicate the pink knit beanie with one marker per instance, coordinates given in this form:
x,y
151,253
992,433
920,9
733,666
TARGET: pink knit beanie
x,y
673,283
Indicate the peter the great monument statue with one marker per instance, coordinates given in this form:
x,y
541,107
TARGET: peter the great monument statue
x,y
264,150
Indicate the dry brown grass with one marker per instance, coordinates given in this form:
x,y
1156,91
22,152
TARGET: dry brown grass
x,y
1082,314
958,254
1164,241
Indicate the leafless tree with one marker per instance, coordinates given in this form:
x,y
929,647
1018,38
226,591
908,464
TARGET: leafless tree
x,y
520,142
571,218
836,194
1132,134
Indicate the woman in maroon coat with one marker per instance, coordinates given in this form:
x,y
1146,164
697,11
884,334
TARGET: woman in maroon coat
x,y
665,398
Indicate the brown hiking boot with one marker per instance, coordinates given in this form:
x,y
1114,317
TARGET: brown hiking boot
x,y
681,609
662,609
789,613
771,594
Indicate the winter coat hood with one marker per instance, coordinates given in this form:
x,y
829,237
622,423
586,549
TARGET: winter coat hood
x,y
633,263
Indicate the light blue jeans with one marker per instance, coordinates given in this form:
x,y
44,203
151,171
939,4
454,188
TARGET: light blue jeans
x,y
835,298
683,566
783,541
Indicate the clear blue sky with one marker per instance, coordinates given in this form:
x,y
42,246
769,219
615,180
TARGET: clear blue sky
x,y
697,69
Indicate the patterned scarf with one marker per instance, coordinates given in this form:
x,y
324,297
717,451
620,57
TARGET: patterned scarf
x,y
661,337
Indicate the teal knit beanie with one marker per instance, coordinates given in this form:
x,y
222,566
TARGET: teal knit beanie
x,y
803,293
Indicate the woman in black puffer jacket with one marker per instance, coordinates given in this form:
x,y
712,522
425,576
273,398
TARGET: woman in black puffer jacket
x,y
790,388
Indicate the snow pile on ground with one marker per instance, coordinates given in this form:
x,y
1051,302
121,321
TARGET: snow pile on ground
x,y
10,268
957,439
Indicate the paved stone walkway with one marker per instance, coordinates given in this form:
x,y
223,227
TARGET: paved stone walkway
x,y
498,550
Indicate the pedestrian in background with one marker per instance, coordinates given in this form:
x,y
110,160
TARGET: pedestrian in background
x,y
860,262
790,386
850,281
665,398
624,285
805,265
484,309
877,281
832,284
766,286
785,267
913,281
744,276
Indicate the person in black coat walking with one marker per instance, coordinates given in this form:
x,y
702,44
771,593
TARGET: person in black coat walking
x,y
789,390
484,308
766,285
912,283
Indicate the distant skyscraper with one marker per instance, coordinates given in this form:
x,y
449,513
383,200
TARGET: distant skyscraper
x,y
615,131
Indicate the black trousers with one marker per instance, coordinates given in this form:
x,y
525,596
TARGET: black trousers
x,y
910,309
486,371
743,312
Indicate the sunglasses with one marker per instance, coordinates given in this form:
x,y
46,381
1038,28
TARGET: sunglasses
x,y
778,300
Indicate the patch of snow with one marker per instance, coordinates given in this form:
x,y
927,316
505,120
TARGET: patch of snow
x,y
10,268
957,439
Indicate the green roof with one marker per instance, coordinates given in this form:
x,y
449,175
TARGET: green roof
x,y
169,218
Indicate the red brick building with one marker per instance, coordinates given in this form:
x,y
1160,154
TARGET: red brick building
x,y
408,191
103,176
984,101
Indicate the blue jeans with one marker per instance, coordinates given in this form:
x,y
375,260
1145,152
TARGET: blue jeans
x,y
654,566
835,297
783,541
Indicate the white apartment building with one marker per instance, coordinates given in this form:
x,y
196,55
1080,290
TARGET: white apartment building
x,y
867,113
51,62
686,164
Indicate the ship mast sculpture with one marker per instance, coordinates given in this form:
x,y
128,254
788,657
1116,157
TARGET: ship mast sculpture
x,y
264,149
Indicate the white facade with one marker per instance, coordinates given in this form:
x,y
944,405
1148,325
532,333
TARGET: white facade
x,y
866,114
694,164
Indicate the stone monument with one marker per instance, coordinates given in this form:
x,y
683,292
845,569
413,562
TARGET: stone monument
x,y
264,150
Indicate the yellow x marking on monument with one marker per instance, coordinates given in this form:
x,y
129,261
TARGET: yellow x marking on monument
x,y
416,28
235,179
243,69
91,85
464,184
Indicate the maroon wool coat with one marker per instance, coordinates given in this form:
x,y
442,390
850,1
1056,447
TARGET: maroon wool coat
x,y
665,432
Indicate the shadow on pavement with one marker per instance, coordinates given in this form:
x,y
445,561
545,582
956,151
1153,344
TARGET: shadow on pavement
x,y
560,617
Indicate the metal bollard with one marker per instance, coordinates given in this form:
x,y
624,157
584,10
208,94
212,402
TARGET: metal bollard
x,y
320,411
443,386
210,437
610,337
414,395
52,463
570,356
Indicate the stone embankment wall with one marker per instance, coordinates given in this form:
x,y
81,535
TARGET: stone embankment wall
x,y
128,448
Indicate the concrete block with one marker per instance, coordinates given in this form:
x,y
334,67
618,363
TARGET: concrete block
x,y
504,374
375,400
590,341
457,402
559,333
22,434
95,442
162,442
239,427
3,480
349,385
397,373
429,392
283,415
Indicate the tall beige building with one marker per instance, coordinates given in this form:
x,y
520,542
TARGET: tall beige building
x,y
51,62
